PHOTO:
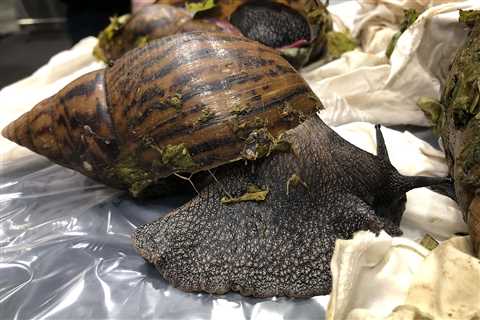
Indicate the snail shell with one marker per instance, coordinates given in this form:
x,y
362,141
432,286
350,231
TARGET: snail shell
x,y
130,31
184,103
151,23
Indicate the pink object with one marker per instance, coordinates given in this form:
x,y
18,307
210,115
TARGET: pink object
x,y
296,44
226,26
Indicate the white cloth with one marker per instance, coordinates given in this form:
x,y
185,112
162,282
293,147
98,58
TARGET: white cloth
x,y
366,86
372,273
396,279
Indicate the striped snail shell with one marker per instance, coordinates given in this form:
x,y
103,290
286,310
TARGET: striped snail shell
x,y
129,31
150,23
181,104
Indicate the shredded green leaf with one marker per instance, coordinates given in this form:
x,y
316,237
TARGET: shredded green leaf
x,y
338,43
429,242
469,17
410,16
177,156
107,38
432,109
253,193
203,5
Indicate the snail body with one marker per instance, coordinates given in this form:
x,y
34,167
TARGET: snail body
x,y
324,189
201,101
181,104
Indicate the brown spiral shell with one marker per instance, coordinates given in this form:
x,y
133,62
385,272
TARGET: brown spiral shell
x,y
150,22
184,103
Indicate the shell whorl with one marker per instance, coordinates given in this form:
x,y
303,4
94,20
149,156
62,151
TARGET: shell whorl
x,y
150,22
197,89
184,103
72,128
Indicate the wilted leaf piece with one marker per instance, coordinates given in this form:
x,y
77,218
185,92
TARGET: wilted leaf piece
x,y
410,16
253,193
195,7
338,43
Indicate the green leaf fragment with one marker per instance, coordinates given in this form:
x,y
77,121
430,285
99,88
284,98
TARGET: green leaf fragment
x,y
130,173
469,17
429,242
253,193
432,108
239,110
176,101
141,41
106,38
409,17
176,156
338,43
206,116
198,6
261,143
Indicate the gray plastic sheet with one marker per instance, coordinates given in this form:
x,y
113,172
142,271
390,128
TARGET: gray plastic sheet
x,y
66,253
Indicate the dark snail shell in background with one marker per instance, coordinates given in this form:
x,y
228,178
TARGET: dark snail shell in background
x,y
184,103
296,28
273,24
130,31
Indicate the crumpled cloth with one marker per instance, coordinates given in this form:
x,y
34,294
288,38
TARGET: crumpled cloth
x,y
372,274
366,86
397,279
446,285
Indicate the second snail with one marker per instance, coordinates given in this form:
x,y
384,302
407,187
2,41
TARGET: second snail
x,y
300,30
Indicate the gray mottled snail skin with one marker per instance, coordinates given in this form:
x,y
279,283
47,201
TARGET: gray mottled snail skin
x,y
322,189
180,105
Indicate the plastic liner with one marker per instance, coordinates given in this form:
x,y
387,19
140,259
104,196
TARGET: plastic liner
x,y
66,253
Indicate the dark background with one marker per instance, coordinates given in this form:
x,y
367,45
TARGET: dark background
x,y
32,31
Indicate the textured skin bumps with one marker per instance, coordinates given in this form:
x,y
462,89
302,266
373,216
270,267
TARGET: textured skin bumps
x,y
282,246
272,24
